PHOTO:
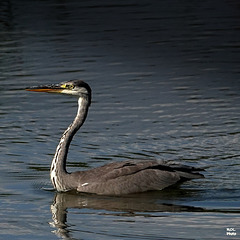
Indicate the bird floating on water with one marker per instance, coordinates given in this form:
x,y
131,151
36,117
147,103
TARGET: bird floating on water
x,y
115,178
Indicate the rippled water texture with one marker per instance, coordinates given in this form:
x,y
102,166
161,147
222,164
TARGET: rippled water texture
x,y
166,85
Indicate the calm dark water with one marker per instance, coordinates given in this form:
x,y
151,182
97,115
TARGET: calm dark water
x,y
166,85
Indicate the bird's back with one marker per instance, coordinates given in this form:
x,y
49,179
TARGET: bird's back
x,y
134,176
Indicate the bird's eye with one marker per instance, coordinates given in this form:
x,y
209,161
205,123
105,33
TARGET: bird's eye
x,y
69,86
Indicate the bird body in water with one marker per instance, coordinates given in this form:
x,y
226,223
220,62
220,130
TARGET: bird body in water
x,y
115,178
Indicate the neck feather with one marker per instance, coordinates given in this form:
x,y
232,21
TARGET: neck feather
x,y
59,174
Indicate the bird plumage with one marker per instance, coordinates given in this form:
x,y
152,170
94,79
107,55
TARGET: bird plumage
x,y
134,176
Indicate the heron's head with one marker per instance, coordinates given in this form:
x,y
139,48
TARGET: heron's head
x,y
76,87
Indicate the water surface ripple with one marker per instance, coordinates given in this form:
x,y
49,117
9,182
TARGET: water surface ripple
x,y
165,81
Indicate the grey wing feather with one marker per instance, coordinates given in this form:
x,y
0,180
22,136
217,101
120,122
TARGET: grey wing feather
x,y
135,176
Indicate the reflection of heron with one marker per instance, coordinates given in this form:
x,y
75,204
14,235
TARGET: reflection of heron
x,y
114,178
147,205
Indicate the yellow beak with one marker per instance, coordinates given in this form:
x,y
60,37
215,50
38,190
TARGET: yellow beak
x,y
47,88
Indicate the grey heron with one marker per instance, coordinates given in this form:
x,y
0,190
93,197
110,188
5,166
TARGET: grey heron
x,y
115,178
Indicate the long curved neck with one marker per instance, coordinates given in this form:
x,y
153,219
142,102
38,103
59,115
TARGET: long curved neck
x,y
58,173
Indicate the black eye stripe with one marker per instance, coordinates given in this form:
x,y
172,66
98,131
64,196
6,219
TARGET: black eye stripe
x,y
70,86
